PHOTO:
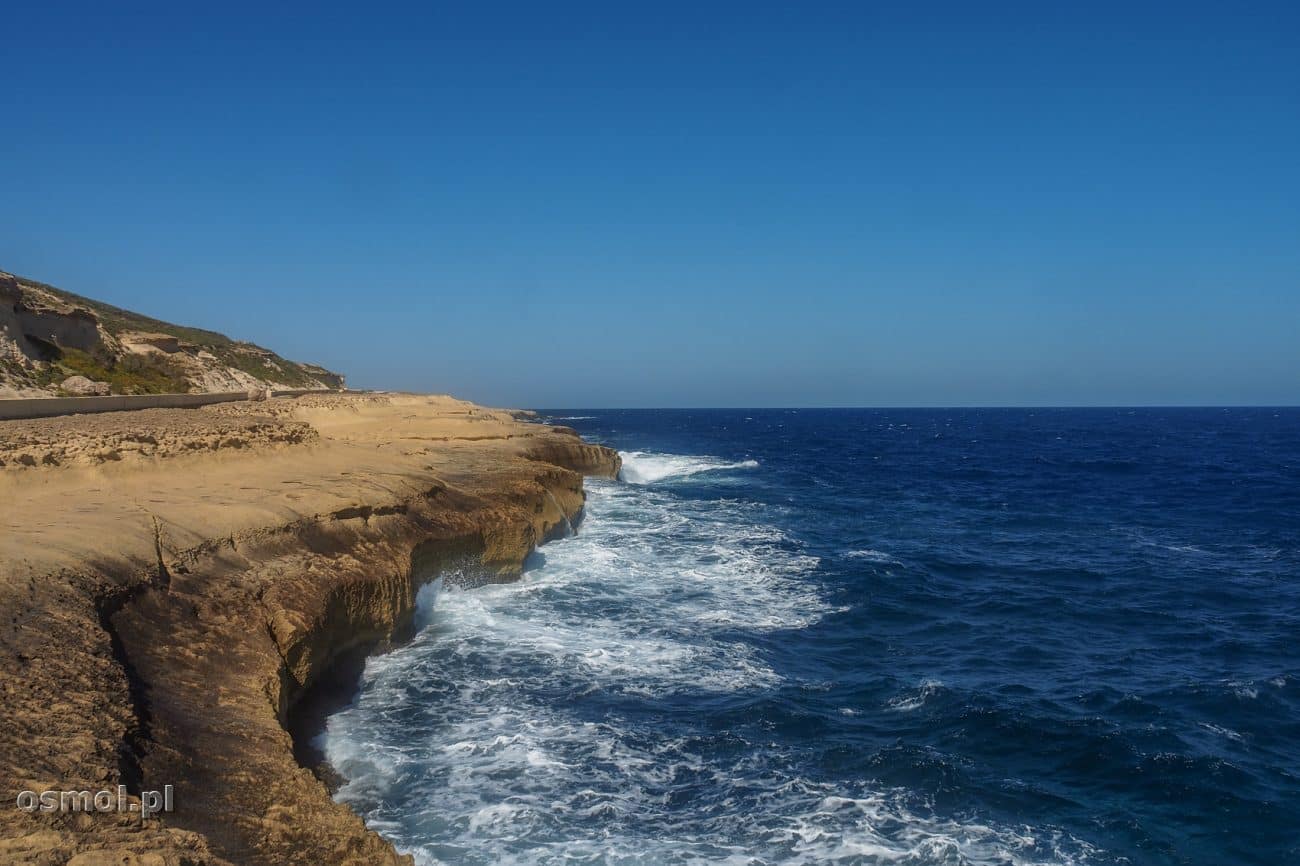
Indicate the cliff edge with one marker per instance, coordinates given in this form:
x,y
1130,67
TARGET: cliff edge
x,y
172,582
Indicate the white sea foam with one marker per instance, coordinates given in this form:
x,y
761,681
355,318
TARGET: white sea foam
x,y
644,467
486,740
1221,731
870,555
1246,691
916,699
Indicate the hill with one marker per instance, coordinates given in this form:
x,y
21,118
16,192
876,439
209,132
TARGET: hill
x,y
55,342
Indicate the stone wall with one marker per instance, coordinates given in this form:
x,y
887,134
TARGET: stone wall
x,y
47,407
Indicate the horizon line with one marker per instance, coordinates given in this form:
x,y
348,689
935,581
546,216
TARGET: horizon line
x,y
935,407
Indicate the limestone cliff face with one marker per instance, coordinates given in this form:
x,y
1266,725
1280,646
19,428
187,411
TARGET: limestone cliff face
x,y
174,650
48,335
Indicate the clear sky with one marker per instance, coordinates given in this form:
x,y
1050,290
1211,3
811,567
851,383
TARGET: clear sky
x,y
668,204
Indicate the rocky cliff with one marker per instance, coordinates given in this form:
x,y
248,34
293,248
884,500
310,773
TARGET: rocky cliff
x,y
163,610
55,342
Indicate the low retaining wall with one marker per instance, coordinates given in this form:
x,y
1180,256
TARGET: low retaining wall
x,y
300,391
47,407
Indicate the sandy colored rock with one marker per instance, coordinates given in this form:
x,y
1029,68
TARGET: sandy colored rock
x,y
80,386
143,342
148,434
48,334
162,614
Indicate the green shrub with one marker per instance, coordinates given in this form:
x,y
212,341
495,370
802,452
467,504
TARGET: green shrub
x,y
133,374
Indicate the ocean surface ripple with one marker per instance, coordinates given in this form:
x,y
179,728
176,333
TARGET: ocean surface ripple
x,y
867,637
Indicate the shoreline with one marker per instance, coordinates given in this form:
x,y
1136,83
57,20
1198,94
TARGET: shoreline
x,y
339,684
191,598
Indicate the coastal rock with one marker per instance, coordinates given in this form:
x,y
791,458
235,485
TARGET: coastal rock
x,y
80,386
148,434
163,618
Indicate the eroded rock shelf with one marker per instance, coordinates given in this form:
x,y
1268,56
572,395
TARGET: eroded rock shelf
x,y
162,611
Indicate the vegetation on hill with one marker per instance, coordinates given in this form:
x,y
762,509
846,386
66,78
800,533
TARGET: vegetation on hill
x,y
128,372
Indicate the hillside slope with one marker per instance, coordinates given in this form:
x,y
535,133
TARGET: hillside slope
x,y
54,342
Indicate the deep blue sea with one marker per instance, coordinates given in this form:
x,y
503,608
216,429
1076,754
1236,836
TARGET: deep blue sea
x,y
869,636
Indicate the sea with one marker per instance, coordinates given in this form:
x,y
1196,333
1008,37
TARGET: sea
x,y
876,636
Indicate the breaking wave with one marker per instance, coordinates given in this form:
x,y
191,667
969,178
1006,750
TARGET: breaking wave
x,y
642,467
618,705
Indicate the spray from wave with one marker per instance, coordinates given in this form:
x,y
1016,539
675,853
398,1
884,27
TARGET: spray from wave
x,y
608,708
643,467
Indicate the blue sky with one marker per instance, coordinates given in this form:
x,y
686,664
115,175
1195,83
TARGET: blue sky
x,y
699,204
